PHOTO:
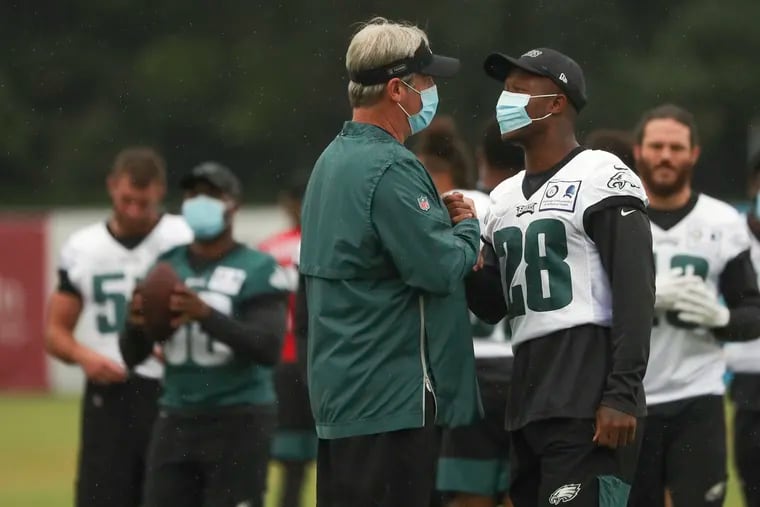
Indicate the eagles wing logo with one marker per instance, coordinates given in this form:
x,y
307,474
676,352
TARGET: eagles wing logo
x,y
619,182
565,493
526,208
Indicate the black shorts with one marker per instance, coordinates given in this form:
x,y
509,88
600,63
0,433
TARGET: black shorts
x,y
211,459
382,470
295,438
684,450
747,446
116,426
475,459
555,461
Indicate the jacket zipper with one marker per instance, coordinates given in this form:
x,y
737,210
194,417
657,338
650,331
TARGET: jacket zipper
x,y
427,384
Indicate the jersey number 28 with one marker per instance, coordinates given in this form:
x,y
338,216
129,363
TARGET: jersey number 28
x,y
548,283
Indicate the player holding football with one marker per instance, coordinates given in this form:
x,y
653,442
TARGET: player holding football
x,y
702,252
569,240
97,270
295,440
473,465
210,445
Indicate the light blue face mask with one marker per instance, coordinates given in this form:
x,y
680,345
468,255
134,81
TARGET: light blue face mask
x,y
511,113
757,205
419,121
204,215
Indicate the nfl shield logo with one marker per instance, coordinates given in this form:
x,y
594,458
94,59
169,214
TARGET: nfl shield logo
x,y
423,202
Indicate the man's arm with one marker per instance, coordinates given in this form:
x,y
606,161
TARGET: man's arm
x,y
258,331
301,324
416,230
738,285
624,242
64,309
485,295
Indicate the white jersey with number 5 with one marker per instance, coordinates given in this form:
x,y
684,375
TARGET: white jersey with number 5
x,y
104,273
685,360
553,277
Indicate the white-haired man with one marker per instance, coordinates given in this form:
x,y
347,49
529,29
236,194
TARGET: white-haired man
x,y
389,347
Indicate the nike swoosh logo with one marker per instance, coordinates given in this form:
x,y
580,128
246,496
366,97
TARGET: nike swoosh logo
x,y
625,213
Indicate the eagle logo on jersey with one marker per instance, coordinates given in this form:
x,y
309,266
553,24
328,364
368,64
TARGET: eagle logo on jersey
x,y
618,181
526,208
423,203
564,494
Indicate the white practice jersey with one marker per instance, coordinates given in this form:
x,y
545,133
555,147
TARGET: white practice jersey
x,y
553,277
684,360
104,273
495,345
745,357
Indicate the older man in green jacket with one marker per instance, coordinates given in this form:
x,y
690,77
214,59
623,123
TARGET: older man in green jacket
x,y
390,351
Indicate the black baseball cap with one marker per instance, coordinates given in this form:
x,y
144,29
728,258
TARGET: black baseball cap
x,y
560,68
216,175
423,61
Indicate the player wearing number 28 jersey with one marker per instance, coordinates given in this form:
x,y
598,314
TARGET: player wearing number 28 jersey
x,y
98,267
567,245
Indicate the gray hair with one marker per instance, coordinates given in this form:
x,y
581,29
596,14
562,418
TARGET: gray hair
x,y
379,42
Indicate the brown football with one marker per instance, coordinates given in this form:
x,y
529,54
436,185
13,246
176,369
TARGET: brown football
x,y
156,289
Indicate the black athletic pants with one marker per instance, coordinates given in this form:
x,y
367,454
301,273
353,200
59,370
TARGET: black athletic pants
x,y
684,450
117,420
218,458
383,470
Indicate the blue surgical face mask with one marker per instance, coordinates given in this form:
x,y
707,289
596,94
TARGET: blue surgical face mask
x,y
419,121
204,215
757,205
511,113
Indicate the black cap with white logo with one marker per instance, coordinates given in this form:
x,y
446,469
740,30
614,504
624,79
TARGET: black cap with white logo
x,y
544,62
216,175
423,61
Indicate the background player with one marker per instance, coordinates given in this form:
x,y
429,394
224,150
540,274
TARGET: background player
x,y
744,361
210,446
701,248
568,239
617,142
295,440
473,465
97,270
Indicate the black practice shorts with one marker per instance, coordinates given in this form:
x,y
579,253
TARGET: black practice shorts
x,y
117,420
382,470
295,438
555,462
684,450
215,459
475,459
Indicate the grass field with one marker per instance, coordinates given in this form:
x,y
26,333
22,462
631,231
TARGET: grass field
x,y
38,454
38,442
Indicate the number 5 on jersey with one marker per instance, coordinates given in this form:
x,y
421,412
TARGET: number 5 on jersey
x,y
546,275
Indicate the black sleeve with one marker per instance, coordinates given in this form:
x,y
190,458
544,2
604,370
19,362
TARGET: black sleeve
x,y
301,324
485,296
623,237
738,285
135,345
257,332
66,285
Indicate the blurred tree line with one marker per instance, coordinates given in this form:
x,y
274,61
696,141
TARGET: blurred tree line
x,y
261,85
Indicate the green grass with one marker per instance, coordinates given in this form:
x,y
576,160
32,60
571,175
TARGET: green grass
x,y
38,445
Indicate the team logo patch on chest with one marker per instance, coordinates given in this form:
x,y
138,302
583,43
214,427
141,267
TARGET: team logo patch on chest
x,y
525,208
560,196
227,280
423,203
564,494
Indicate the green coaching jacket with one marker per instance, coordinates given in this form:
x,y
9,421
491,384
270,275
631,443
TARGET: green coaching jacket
x,y
384,271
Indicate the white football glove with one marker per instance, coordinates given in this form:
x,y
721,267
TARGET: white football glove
x,y
699,305
669,287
